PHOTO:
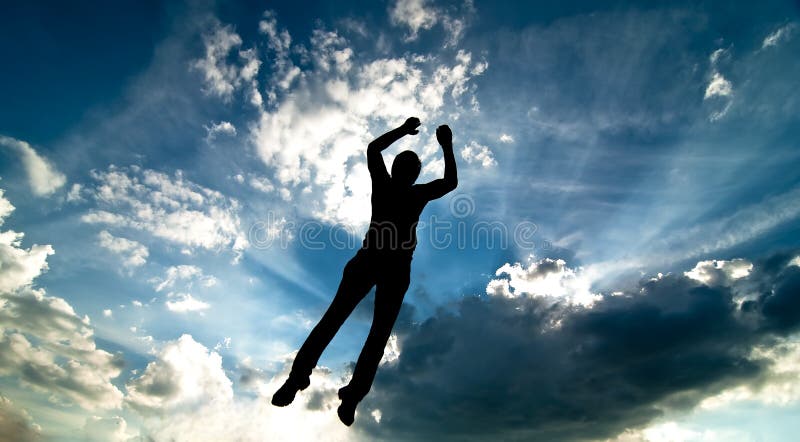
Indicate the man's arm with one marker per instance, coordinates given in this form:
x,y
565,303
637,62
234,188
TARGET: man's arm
x,y
441,187
375,164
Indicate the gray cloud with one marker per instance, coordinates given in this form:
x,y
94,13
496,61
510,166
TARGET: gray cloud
x,y
16,425
43,341
524,369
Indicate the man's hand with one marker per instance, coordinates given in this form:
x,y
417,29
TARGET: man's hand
x,y
411,125
445,136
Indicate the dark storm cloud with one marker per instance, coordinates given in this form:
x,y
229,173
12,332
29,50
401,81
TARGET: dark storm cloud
x,y
500,367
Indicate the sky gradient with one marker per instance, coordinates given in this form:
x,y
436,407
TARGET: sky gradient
x,y
183,183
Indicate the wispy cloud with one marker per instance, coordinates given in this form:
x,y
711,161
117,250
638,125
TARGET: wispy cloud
x,y
43,176
779,35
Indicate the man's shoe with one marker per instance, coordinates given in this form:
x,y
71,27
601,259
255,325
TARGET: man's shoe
x,y
285,395
346,411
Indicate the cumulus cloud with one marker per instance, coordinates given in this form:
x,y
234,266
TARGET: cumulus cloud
x,y
321,113
183,278
49,347
718,86
18,266
43,177
42,340
16,424
720,272
665,345
506,138
106,429
184,375
188,381
185,302
421,15
415,14
546,278
478,154
221,77
223,127
133,253
167,207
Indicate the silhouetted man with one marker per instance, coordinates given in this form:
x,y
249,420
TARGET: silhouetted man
x,y
384,261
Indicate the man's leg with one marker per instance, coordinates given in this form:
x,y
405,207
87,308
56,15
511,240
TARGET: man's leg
x,y
391,288
357,280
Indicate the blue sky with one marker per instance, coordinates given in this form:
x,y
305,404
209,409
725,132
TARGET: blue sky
x,y
183,183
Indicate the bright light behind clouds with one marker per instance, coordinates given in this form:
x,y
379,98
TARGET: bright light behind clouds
x,y
176,223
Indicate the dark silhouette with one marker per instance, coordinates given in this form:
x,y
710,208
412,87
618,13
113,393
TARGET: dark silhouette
x,y
383,261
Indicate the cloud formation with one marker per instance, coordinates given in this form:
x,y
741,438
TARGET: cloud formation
x,y
133,253
18,266
43,177
170,208
43,341
187,381
185,375
779,35
17,423
478,154
415,14
523,367
321,109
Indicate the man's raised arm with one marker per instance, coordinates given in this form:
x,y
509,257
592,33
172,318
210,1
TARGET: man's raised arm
x,y
375,163
439,188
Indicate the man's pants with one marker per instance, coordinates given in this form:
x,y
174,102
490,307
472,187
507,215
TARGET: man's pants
x,y
391,276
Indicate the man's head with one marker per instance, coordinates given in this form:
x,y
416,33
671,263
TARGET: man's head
x,y
405,168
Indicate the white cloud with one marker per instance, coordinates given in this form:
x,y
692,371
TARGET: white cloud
x,y
420,15
185,274
134,253
221,78
314,136
479,154
171,208
43,177
18,266
262,184
42,340
184,375
718,87
74,194
506,138
546,278
61,358
186,303
779,35
720,272
414,14
719,90
214,415
106,429
223,127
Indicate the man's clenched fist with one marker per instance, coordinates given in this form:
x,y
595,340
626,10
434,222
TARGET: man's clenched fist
x,y
444,135
411,126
